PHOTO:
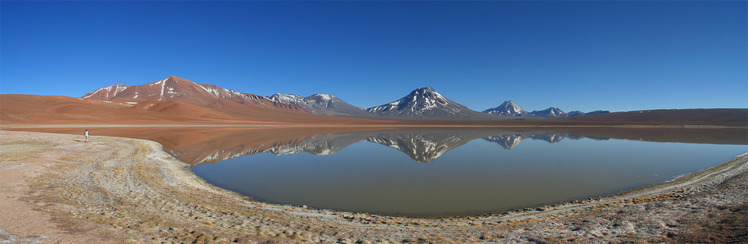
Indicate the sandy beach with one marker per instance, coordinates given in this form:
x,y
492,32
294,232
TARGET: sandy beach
x,y
56,188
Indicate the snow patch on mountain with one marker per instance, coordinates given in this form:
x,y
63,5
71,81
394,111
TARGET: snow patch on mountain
x,y
206,90
325,97
107,92
287,98
163,84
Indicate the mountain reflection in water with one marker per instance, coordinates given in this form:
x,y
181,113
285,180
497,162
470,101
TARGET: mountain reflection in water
x,y
422,145
464,171
205,145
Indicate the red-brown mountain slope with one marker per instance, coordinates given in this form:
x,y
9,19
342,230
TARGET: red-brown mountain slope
x,y
32,109
182,90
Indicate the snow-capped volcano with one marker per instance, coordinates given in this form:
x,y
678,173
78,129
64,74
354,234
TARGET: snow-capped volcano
x,y
324,104
182,90
508,108
426,103
549,112
418,101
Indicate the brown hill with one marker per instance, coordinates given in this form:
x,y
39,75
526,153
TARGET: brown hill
x,y
185,91
34,109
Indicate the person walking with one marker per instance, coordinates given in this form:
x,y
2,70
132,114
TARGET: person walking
x,y
86,134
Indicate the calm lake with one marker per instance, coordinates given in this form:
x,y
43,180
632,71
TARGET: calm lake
x,y
459,171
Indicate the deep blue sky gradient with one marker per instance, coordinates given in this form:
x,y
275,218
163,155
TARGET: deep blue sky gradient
x,y
576,55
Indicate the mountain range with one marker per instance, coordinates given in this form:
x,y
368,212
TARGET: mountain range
x,y
179,101
509,108
168,101
421,103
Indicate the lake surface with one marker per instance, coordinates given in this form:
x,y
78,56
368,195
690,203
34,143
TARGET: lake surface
x,y
453,172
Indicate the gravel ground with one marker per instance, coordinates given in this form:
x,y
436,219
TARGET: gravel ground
x,y
118,190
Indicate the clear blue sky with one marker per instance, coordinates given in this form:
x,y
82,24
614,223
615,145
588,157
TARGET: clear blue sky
x,y
576,55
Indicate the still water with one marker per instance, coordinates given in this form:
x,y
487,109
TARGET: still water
x,y
455,172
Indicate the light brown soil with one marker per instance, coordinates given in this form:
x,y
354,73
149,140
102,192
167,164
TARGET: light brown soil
x,y
118,189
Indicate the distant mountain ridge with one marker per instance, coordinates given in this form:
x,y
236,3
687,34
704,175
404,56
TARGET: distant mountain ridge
x,y
580,113
507,108
549,112
324,104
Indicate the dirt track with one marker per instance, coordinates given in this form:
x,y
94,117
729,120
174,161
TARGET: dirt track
x,y
120,189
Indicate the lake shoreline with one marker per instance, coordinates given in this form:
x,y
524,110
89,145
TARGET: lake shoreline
x,y
120,189
351,125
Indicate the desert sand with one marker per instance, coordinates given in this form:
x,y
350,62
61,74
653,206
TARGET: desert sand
x,y
114,189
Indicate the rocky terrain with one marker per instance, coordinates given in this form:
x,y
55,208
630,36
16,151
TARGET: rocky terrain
x,y
112,189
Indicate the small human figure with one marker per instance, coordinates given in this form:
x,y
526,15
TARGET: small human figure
x,y
86,134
